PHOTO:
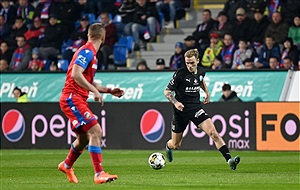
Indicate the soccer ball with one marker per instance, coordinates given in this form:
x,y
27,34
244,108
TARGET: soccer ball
x,y
157,161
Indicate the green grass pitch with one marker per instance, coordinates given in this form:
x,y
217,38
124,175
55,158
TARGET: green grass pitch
x,y
37,169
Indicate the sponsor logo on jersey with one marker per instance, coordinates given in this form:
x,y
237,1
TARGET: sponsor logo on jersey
x,y
81,59
152,125
13,125
200,112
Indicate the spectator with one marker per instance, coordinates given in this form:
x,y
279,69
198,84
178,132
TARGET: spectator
x,y
248,64
274,6
212,51
8,11
26,11
126,12
288,63
201,34
42,11
228,50
231,6
66,13
142,65
258,29
274,63
294,31
20,96
78,38
241,26
223,26
277,28
218,63
5,51
110,6
257,5
5,29
160,64
19,28
145,21
111,36
53,66
177,59
52,39
269,49
229,95
3,65
289,50
21,55
241,54
290,10
87,7
190,43
35,64
32,35
168,8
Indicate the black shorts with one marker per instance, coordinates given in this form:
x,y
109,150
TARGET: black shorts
x,y
191,112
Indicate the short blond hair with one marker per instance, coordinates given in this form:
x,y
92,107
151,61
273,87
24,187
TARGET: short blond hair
x,y
96,31
192,52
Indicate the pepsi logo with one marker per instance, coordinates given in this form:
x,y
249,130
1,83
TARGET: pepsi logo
x,y
152,125
13,125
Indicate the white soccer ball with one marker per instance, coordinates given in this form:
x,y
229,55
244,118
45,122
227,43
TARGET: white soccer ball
x,y
157,161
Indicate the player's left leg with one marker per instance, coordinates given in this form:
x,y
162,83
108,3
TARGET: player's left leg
x,y
173,143
95,135
209,128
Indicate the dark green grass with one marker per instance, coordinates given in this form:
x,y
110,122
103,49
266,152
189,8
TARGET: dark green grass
x,y
37,169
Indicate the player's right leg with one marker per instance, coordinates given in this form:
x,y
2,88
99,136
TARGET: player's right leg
x,y
76,150
233,162
173,143
71,106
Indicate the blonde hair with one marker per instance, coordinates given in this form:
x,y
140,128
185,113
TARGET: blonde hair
x,y
192,52
96,31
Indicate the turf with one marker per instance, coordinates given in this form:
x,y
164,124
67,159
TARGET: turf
x,y
37,169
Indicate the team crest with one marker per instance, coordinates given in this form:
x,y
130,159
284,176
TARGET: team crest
x,y
87,115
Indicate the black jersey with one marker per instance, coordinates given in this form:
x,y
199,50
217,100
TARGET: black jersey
x,y
187,85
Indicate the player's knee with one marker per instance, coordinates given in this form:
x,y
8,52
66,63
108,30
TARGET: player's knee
x,y
214,135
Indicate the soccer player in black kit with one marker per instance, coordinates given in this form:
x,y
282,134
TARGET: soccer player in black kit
x,y
186,84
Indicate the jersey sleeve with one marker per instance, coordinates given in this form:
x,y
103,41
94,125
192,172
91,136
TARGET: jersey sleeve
x,y
84,57
174,81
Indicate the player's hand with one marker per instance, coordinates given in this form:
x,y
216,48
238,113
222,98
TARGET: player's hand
x,y
117,92
98,97
206,99
179,106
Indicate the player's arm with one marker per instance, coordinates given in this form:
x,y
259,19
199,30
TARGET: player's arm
x,y
205,89
170,96
77,75
116,91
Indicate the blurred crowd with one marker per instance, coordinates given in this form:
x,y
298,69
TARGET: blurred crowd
x,y
38,35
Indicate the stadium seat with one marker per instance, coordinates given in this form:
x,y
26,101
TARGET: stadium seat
x,y
91,17
120,54
63,64
117,19
65,45
128,41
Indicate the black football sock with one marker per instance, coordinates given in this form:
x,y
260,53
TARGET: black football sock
x,y
225,152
